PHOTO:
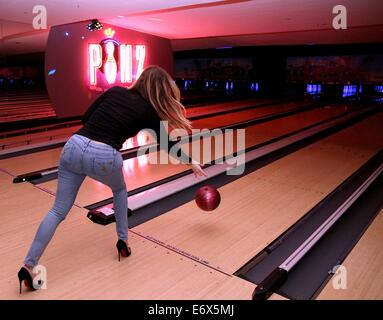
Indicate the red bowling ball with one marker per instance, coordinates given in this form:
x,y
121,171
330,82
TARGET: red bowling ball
x,y
207,198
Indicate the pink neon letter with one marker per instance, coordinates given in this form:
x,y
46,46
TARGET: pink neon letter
x,y
95,61
140,57
126,63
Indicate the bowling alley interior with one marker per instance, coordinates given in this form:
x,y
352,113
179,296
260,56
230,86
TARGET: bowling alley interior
x,y
283,196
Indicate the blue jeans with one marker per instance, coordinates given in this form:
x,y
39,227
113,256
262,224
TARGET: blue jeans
x,y
82,157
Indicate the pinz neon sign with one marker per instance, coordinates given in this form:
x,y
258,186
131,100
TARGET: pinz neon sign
x,y
111,57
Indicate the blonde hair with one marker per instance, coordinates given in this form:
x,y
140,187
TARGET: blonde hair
x,y
158,88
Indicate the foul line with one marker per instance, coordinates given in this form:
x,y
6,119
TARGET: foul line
x,y
180,252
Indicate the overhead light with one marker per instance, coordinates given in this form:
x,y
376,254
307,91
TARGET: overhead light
x,y
94,25
120,17
156,19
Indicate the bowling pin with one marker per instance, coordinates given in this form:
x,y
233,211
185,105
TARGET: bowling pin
x,y
110,66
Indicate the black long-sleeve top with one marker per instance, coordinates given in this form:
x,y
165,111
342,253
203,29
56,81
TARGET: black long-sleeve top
x,y
119,114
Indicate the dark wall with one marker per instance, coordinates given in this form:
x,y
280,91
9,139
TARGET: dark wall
x,y
22,72
269,62
269,71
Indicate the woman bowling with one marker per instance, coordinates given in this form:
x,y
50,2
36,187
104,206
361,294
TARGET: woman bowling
x,y
117,115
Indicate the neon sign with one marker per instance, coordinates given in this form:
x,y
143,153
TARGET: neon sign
x,y
114,60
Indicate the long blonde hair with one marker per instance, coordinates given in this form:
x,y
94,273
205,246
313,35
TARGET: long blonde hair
x,y
158,87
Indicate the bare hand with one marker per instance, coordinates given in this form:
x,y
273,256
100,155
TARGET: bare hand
x,y
198,172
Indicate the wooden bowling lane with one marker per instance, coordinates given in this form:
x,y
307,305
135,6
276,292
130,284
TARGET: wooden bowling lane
x,y
32,162
259,207
139,173
9,143
79,269
47,159
25,109
235,117
219,121
222,106
35,138
52,134
364,278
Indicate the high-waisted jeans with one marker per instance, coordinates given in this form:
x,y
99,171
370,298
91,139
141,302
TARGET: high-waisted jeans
x,y
82,157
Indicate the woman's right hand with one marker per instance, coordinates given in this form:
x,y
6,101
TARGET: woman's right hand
x,y
198,172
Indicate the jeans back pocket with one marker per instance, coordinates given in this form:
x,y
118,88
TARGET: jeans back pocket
x,y
103,166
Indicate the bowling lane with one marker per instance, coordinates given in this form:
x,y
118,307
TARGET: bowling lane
x,y
235,117
47,159
31,162
37,137
259,207
152,271
12,142
226,106
138,172
52,134
364,268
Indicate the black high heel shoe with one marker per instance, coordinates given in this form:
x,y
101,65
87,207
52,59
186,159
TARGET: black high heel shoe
x,y
123,249
25,276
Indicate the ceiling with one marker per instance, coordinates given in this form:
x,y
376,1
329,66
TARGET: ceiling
x,y
193,24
